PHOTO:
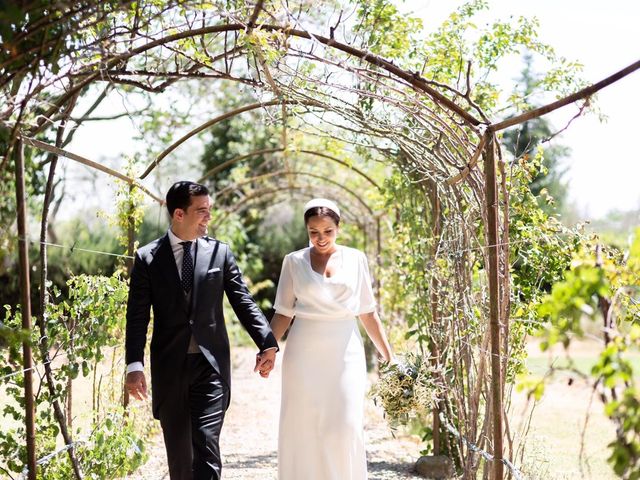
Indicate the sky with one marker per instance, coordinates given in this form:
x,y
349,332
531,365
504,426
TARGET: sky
x,y
603,169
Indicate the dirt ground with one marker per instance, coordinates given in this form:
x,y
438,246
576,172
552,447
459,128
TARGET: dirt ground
x,y
567,438
569,433
556,448
249,436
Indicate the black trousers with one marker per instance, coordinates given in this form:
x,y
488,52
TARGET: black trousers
x,y
191,421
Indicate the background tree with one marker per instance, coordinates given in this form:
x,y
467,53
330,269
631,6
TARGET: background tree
x,y
528,139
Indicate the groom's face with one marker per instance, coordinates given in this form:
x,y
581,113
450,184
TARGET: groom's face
x,y
193,221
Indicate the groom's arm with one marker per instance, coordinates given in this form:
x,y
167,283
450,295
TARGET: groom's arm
x,y
245,307
138,311
266,362
138,316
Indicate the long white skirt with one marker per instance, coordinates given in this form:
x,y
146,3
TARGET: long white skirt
x,y
321,413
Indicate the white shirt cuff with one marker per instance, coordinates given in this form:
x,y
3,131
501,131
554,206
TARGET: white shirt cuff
x,y
135,367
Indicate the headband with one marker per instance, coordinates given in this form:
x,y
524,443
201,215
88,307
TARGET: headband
x,y
322,202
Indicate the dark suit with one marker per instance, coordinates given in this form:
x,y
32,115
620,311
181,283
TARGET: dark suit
x,y
175,374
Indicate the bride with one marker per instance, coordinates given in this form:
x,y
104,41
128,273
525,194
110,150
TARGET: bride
x,y
325,286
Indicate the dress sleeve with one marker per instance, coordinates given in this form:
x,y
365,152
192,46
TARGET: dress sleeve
x,y
285,296
367,300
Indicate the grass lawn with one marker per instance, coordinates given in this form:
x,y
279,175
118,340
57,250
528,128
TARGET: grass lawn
x,y
555,441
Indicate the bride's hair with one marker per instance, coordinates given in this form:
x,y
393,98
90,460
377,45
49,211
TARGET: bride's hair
x,y
321,211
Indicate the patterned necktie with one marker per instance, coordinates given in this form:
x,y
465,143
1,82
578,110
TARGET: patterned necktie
x,y
187,267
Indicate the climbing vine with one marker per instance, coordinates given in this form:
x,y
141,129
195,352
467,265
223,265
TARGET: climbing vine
x,y
362,83
602,286
85,332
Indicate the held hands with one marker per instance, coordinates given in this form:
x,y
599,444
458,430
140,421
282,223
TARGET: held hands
x,y
265,362
136,385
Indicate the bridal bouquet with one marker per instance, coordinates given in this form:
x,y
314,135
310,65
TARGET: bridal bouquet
x,y
407,388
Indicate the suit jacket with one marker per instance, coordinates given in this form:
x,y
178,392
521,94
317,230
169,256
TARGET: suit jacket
x,y
155,284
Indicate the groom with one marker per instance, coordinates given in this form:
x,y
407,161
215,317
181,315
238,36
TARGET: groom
x,y
182,276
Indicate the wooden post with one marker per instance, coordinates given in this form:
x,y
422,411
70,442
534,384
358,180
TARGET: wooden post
x,y
435,312
131,233
64,421
376,281
25,291
131,242
491,198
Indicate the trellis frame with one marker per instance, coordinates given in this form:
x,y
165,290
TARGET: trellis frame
x,y
482,127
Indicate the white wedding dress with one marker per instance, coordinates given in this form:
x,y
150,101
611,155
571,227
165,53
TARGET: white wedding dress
x,y
323,371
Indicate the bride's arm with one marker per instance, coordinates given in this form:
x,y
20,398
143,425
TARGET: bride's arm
x,y
279,325
373,326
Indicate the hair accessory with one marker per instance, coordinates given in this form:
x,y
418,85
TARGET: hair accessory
x,y
322,202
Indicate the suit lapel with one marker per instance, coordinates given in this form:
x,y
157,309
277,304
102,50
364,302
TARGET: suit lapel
x,y
170,270
203,256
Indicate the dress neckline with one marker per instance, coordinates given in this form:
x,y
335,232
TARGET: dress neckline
x,y
308,262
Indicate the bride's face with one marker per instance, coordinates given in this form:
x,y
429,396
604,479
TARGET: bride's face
x,y
322,232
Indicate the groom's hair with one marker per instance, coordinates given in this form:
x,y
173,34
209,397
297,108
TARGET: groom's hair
x,y
180,193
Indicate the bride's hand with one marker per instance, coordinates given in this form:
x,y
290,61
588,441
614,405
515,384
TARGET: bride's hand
x,y
265,362
392,361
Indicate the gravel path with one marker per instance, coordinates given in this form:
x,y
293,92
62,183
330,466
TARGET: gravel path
x,y
249,436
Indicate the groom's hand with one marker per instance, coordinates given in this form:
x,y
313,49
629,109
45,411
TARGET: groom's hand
x,y
136,385
265,362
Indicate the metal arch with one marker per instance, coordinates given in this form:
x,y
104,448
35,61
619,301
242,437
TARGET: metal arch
x,y
239,158
223,192
411,78
218,119
295,189
376,224
90,163
309,174
245,203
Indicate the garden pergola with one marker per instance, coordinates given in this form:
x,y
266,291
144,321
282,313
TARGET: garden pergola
x,y
434,133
